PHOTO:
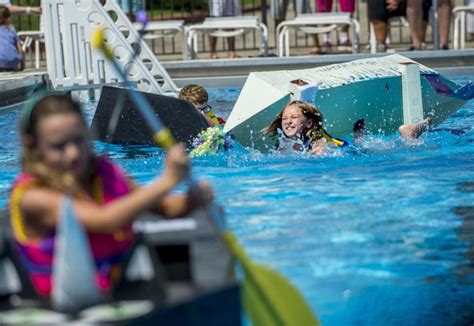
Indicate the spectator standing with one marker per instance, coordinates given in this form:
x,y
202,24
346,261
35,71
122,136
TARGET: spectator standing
x,y
11,55
418,29
20,10
380,12
224,8
413,13
445,15
344,6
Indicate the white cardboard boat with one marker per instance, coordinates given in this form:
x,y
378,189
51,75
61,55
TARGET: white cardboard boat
x,y
368,88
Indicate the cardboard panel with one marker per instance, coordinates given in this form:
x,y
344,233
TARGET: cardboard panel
x,y
184,121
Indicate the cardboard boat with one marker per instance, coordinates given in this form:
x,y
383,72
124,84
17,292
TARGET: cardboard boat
x,y
177,274
369,88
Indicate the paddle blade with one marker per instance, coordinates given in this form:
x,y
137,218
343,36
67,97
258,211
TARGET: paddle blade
x,y
98,42
164,139
268,297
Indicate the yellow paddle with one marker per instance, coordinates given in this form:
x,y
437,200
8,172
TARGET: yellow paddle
x,y
268,297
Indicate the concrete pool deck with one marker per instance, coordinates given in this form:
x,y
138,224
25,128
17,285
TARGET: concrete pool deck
x,y
15,87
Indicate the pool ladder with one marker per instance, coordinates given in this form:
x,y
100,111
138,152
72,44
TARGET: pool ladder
x,y
72,62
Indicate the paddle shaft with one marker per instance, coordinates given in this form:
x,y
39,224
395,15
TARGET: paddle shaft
x,y
117,110
164,139
161,134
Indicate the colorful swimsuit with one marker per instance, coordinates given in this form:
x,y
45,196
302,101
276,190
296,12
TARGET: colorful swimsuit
x,y
322,134
109,249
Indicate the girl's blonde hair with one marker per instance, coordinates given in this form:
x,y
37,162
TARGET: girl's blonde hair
x,y
48,106
4,14
309,111
195,94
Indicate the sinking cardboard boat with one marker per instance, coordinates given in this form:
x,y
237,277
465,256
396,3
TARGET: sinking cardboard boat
x,y
367,88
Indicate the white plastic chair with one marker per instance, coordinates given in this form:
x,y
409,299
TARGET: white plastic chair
x,y
307,23
33,36
165,28
459,19
225,27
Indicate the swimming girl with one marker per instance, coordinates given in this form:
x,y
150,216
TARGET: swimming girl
x,y
57,161
302,124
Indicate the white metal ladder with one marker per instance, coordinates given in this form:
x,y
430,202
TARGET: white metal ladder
x,y
73,63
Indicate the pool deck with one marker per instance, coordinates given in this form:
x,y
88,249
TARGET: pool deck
x,y
233,72
15,87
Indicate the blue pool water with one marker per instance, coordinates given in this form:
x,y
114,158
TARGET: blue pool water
x,y
384,237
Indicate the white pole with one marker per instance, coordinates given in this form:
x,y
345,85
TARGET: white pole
x,y
411,92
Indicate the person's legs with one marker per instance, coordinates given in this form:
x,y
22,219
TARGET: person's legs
x,y
380,31
378,15
315,49
278,13
231,44
414,17
323,6
349,7
213,44
426,7
414,130
445,9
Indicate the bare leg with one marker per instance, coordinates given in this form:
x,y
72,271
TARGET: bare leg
x,y
414,17
315,49
380,31
424,26
414,130
231,44
213,44
277,22
445,8
344,38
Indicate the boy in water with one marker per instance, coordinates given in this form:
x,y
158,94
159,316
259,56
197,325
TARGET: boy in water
x,y
198,97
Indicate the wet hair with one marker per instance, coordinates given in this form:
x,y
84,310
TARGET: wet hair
x,y
4,14
195,94
309,111
48,106
359,126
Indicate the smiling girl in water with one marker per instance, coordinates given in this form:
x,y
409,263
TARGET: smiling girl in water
x,y
301,125
301,129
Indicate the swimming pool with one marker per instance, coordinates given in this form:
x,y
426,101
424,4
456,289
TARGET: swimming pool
x,y
379,238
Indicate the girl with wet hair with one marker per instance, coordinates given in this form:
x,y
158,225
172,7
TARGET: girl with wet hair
x,y
302,124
